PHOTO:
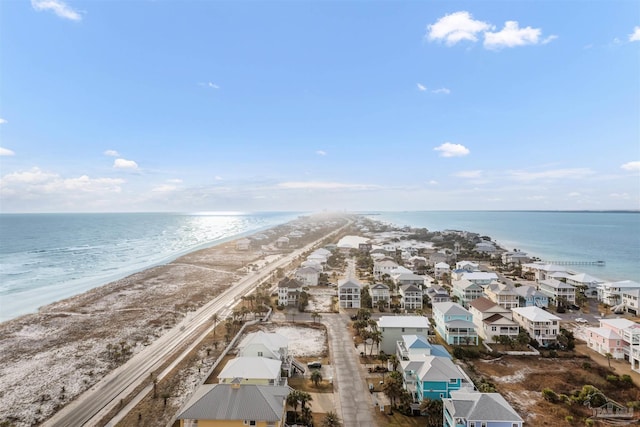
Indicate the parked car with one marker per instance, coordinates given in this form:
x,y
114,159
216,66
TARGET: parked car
x,y
581,320
314,365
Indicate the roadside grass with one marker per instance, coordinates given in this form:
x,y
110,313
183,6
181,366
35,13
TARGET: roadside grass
x,y
397,419
305,384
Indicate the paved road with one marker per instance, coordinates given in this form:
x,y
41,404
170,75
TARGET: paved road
x,y
353,404
93,404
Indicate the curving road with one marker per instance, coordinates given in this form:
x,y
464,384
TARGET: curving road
x,y
90,407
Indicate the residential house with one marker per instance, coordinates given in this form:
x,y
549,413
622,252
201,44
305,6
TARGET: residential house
x,y
417,263
502,294
413,346
441,269
437,257
630,333
313,264
480,277
264,344
410,297
379,292
437,294
252,370
630,300
529,296
586,282
515,258
468,266
558,291
394,327
307,275
213,405
454,324
540,270
289,290
385,266
611,292
433,377
401,279
492,320
541,325
606,341
473,409
349,293
466,291
485,247
282,242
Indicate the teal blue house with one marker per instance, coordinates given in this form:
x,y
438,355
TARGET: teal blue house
x,y
433,377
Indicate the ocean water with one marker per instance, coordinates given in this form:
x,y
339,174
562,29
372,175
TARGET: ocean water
x,y
48,257
613,237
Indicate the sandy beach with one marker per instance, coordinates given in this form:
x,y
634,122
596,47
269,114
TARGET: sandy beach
x,y
50,357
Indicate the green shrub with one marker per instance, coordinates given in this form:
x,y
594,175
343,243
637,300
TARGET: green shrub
x,y
550,395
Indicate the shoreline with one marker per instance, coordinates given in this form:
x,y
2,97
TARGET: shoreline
x,y
70,289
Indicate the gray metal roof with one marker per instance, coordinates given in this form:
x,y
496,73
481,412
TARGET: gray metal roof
x,y
231,402
476,406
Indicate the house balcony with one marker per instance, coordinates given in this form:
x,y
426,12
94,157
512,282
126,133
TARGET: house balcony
x,y
461,332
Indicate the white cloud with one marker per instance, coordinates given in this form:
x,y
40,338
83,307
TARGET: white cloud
x,y
421,87
535,198
36,182
442,90
125,164
572,173
449,149
321,153
456,27
549,39
574,194
635,35
623,196
111,153
175,181
323,185
433,182
512,35
210,85
469,174
631,166
218,178
2,121
58,7
6,152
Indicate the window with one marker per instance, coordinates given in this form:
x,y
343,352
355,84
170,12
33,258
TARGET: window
x,y
472,424
484,424
260,354
402,329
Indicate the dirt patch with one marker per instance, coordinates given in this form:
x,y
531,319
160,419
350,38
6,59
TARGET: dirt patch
x,y
521,381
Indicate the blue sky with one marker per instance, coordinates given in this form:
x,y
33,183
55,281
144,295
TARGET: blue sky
x,y
258,105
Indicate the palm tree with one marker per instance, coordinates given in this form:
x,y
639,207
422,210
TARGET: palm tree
x,y
304,398
376,336
331,419
395,362
293,400
392,388
215,318
608,356
316,377
315,315
433,410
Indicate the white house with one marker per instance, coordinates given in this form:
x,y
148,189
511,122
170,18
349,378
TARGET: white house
x,y
401,279
480,277
262,344
379,292
558,291
349,293
492,320
243,244
252,370
630,300
611,292
541,325
467,266
502,294
540,270
466,291
383,267
441,268
394,327
588,283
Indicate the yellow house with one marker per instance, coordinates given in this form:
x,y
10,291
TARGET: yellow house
x,y
235,405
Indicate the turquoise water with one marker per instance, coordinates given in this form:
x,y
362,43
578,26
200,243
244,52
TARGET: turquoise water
x,y
48,257
613,237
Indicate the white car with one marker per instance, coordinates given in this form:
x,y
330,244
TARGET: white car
x,y
581,320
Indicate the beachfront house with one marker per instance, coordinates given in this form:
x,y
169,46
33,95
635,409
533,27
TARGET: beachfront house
x,y
413,346
502,294
515,258
220,405
307,275
529,296
432,377
379,294
558,292
394,327
630,333
611,292
349,293
289,290
468,266
410,297
473,409
466,291
586,282
630,300
541,325
454,324
492,320
540,271
252,370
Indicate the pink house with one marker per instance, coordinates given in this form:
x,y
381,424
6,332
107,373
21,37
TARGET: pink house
x,y
605,340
